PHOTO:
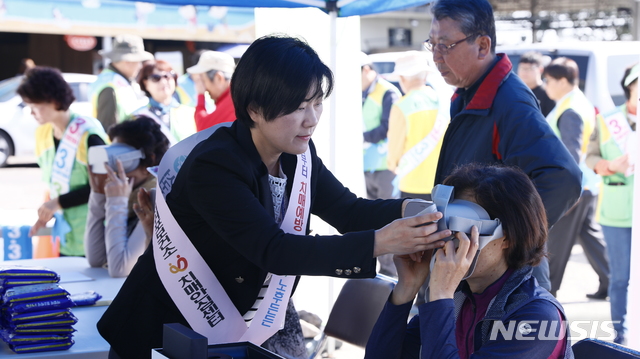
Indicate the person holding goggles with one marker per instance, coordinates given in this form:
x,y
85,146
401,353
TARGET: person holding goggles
x,y
482,300
114,237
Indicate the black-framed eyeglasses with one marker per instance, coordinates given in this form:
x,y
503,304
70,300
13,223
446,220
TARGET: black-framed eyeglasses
x,y
165,75
442,48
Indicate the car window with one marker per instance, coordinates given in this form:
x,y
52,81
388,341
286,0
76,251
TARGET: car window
x,y
8,88
384,67
581,61
616,65
80,91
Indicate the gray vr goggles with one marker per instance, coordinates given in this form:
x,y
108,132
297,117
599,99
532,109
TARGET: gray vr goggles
x,y
459,216
129,156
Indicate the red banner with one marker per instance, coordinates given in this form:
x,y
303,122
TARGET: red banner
x,y
81,43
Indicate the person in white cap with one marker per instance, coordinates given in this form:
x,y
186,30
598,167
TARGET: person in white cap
x,y
414,124
417,124
215,69
114,96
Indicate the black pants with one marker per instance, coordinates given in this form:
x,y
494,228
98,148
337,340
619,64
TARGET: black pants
x,y
578,224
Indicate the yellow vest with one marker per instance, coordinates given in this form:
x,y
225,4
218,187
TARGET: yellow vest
x,y
411,120
75,216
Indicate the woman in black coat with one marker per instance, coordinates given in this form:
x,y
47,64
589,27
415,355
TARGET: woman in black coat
x,y
231,195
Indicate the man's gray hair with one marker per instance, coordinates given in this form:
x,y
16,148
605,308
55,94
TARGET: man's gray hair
x,y
474,17
211,74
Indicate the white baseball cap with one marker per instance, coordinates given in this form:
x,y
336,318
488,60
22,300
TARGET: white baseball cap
x,y
213,60
364,59
413,63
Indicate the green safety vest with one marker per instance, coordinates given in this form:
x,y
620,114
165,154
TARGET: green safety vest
x,y
75,216
577,101
375,154
127,100
616,206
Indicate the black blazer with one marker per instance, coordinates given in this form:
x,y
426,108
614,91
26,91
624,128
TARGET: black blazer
x,y
222,201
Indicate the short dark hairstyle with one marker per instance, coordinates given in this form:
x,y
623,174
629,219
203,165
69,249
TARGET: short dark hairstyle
x,y
143,133
507,193
147,70
532,57
43,84
627,91
275,75
563,67
475,17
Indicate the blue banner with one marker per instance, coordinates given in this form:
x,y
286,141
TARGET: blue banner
x,y
17,243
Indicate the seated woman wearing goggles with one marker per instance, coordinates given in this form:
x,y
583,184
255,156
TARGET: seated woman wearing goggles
x,y
114,236
497,309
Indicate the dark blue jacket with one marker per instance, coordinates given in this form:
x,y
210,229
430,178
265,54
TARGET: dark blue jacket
x,y
431,333
498,120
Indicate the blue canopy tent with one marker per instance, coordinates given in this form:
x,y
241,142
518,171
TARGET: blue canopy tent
x,y
343,8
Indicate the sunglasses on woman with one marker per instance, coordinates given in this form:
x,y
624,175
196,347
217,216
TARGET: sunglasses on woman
x,y
158,77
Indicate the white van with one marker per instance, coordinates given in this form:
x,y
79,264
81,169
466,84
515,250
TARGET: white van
x,y
601,63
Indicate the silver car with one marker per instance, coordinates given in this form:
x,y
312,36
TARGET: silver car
x,y
17,125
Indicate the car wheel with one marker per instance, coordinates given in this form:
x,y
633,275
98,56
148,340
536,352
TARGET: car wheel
x,y
6,148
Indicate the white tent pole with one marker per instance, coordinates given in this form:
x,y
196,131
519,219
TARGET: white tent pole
x,y
333,102
633,311
333,62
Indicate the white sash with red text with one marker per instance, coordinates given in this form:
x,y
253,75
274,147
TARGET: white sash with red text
x,y
188,279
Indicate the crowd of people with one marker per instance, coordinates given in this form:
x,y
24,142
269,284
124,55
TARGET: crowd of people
x,y
529,150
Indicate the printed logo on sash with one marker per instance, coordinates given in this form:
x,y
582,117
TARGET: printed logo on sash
x,y
188,279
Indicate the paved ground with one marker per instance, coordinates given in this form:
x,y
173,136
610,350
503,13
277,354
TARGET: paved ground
x,y
21,192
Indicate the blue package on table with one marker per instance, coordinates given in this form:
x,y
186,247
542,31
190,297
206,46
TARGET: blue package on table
x,y
40,315
15,271
53,330
33,293
7,283
13,338
86,298
42,347
47,304
66,320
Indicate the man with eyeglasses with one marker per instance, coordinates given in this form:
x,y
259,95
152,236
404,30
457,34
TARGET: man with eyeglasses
x,y
495,118
115,94
214,69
